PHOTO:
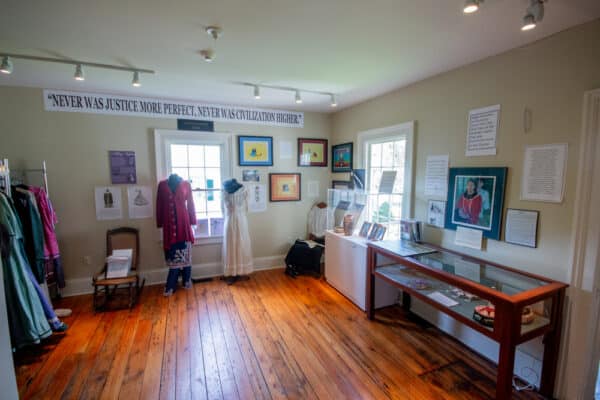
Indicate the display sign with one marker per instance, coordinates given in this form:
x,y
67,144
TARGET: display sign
x,y
195,125
97,103
122,167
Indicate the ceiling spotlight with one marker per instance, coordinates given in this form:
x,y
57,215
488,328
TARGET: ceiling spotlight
x,y
136,79
6,67
214,31
334,102
298,98
79,73
208,55
528,22
471,6
256,92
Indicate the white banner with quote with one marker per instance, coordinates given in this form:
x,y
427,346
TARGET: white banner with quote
x,y
97,103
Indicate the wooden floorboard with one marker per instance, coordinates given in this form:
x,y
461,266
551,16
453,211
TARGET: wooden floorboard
x,y
271,337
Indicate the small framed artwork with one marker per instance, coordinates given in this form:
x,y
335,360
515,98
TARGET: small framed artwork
x,y
364,230
312,152
341,185
435,213
250,175
255,151
521,227
285,187
376,232
475,199
380,232
341,157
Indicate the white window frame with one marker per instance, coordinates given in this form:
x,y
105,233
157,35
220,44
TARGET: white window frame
x,y
163,139
394,132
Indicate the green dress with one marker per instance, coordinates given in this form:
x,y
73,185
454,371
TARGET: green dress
x,y
27,321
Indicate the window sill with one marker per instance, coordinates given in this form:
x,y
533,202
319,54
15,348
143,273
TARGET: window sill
x,y
204,241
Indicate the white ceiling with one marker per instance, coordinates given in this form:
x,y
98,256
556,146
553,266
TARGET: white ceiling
x,y
358,49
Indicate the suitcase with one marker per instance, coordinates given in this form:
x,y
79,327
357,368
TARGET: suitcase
x,y
302,259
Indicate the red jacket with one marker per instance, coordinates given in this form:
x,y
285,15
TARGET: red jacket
x,y
471,207
175,213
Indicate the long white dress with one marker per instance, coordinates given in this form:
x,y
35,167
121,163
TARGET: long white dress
x,y
237,251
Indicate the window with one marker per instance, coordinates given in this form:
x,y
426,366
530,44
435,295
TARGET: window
x,y
388,149
203,159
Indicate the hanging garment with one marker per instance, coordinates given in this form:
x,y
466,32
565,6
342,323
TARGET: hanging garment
x,y
53,265
175,213
27,320
237,250
33,230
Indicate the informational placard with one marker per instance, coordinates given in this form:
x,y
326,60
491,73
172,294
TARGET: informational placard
x,y
544,172
436,176
436,213
257,197
468,237
482,131
286,149
108,203
98,103
139,202
521,227
122,167
388,178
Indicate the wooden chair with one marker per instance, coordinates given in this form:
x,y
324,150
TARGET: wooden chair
x,y
119,238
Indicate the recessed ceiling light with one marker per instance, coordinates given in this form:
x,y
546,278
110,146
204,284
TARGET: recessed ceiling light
x,y
6,67
79,73
471,6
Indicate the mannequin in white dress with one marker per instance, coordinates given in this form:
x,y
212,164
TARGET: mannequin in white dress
x,y
237,250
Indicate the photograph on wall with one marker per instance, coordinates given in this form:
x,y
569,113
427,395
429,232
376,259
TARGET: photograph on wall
x,y
108,203
475,199
435,213
312,152
341,157
255,151
250,175
139,202
284,187
122,167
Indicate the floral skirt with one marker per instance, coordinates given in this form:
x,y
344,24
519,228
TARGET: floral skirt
x,y
179,255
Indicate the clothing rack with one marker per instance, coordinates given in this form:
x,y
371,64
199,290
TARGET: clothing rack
x,y
5,177
43,171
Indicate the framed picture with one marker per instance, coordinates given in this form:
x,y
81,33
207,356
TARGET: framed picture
x,y
521,227
342,185
380,232
250,175
312,152
285,187
374,231
435,213
341,157
255,151
364,230
475,199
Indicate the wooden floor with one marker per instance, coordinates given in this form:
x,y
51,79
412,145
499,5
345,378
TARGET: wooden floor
x,y
269,337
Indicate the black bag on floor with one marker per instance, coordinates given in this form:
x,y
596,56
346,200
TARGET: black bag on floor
x,y
302,259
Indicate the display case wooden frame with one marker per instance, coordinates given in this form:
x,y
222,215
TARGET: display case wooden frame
x,y
507,327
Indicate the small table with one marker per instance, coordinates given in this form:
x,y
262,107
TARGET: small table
x,y
447,272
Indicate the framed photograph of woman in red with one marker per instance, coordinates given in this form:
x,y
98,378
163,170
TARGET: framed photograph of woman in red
x,y
475,199
312,152
285,187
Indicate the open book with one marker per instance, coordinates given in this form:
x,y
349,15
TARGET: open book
x,y
118,264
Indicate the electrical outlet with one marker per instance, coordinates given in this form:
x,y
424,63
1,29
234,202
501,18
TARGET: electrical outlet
x,y
87,260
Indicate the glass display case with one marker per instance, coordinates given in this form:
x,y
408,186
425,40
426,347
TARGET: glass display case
x,y
504,304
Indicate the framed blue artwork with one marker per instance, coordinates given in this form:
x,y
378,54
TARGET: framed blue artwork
x,y
341,157
255,151
476,199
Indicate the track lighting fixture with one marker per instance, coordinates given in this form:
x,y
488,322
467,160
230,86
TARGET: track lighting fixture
x,y
79,73
535,14
256,92
334,100
208,55
135,82
6,67
528,22
471,6
298,98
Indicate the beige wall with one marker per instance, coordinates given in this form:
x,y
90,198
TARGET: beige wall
x,y
549,77
75,147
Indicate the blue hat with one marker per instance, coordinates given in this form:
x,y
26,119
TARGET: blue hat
x,y
231,186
